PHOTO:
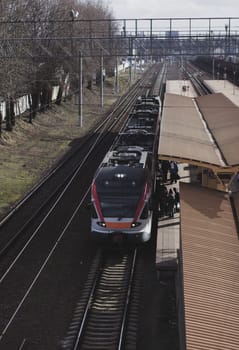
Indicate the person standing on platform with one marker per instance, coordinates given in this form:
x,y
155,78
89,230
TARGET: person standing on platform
x,y
163,194
170,203
173,172
165,165
176,199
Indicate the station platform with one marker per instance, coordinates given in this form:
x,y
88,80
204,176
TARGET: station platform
x,y
185,88
206,228
180,87
230,90
168,235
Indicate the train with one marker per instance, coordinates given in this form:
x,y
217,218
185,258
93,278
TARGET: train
x,y
123,186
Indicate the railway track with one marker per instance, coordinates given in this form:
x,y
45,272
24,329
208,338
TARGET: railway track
x,y
51,188
39,246
196,81
111,296
121,107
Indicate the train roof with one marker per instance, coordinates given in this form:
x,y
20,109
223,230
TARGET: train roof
x,y
121,179
137,115
138,131
149,99
146,108
142,118
140,137
126,155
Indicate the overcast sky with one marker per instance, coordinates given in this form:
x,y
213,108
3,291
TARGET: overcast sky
x,y
173,8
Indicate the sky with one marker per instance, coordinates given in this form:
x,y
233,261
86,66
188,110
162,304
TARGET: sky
x,y
136,9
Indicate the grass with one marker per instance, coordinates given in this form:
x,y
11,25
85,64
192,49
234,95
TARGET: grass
x,y
14,182
31,150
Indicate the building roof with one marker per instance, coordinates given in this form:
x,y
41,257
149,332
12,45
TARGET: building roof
x,y
201,131
210,258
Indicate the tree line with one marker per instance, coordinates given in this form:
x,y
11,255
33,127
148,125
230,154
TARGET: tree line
x,y
39,47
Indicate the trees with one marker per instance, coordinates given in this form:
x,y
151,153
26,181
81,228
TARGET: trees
x,y
40,41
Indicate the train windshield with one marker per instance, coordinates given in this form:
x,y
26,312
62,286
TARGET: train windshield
x,y
119,206
120,190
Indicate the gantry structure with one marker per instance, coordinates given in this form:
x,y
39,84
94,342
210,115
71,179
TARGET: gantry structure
x,y
154,38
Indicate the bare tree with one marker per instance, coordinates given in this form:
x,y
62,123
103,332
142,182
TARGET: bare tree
x,y
40,45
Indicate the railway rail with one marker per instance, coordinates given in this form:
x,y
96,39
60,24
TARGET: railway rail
x,y
196,80
31,243
107,313
51,188
46,272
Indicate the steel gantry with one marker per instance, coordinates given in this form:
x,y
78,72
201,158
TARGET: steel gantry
x,y
33,54
151,38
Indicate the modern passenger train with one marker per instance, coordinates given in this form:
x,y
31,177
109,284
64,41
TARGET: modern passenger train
x,y
123,186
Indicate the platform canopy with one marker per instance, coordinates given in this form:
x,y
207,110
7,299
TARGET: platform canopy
x,y
209,266
203,131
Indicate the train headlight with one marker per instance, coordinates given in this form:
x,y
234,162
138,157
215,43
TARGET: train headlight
x,y
135,224
101,223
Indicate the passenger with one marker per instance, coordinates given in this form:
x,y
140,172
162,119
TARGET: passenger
x,y
176,200
159,174
163,193
174,172
170,203
165,168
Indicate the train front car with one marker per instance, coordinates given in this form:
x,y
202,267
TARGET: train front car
x,y
121,201
123,187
